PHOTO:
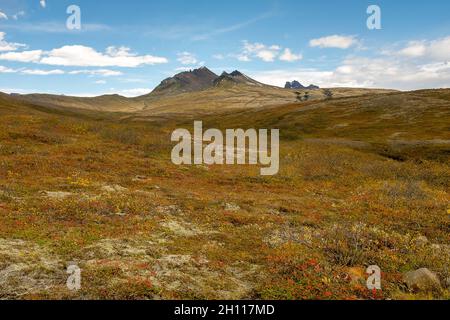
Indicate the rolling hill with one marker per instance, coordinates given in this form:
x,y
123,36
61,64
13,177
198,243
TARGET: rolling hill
x,y
198,90
364,179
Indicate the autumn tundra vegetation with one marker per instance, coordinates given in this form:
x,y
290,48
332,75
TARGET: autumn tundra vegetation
x,y
363,180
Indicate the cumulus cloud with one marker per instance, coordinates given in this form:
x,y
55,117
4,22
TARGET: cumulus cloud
x,y
415,65
3,16
8,46
438,49
266,53
259,50
82,56
43,3
334,41
289,56
381,72
187,58
23,56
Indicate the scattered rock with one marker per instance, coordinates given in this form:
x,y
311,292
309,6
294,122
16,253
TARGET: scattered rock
x,y
114,188
421,241
139,179
181,228
172,209
274,211
232,207
421,280
56,195
120,214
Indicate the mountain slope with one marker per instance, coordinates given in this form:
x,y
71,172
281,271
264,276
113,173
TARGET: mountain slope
x,y
235,78
189,81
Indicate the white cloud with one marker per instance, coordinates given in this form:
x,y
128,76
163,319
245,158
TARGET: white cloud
x,y
42,3
6,70
266,53
98,72
416,65
23,56
38,72
414,49
436,50
289,56
18,15
334,41
3,16
8,46
384,72
243,58
187,58
100,82
259,50
33,72
82,56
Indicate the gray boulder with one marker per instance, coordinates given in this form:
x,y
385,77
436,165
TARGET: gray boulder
x,y
421,280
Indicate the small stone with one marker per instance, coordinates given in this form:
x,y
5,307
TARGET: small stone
x,y
421,241
139,178
56,195
114,188
421,280
232,207
120,214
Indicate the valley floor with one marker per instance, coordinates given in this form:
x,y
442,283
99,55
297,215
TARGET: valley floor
x,y
104,195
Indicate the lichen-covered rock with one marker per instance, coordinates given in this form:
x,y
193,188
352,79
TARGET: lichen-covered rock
x,y
232,207
422,280
421,241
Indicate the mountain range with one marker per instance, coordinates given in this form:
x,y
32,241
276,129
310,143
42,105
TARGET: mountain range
x,y
192,92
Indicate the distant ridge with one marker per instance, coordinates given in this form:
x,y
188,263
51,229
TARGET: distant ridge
x,y
297,85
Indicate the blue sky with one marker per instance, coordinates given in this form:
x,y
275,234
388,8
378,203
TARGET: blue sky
x,y
128,47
